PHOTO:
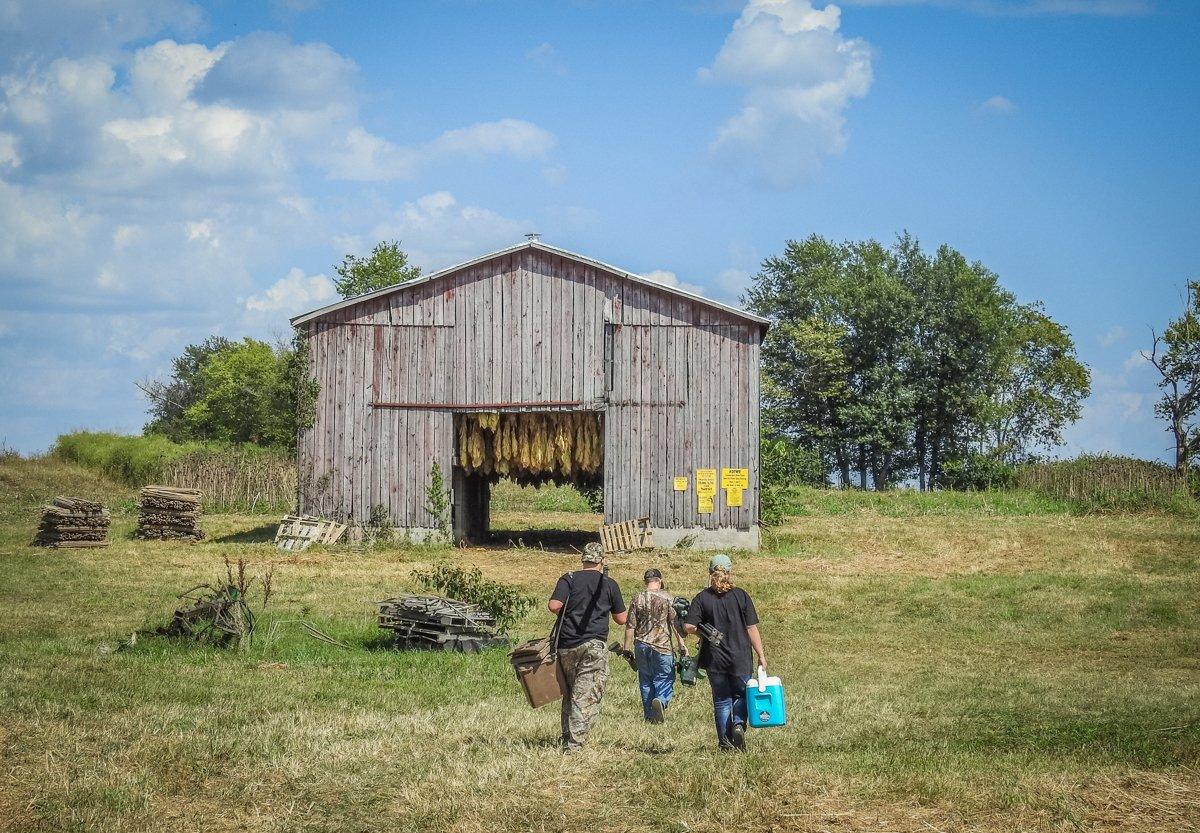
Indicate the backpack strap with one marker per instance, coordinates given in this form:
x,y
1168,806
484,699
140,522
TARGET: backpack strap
x,y
562,611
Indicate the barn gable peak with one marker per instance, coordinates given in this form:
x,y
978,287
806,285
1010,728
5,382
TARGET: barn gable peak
x,y
533,241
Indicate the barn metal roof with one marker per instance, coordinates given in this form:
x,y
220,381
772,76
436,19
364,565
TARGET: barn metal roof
x,y
545,247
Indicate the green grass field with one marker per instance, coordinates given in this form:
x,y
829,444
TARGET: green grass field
x,y
949,666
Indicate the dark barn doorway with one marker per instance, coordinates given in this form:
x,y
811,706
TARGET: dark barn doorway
x,y
540,449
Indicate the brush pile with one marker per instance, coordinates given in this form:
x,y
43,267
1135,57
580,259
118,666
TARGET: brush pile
x,y
73,522
219,613
564,448
167,512
435,623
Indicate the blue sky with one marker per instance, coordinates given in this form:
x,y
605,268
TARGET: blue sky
x,y
170,170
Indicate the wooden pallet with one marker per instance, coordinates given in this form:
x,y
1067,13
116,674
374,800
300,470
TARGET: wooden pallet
x,y
298,533
627,535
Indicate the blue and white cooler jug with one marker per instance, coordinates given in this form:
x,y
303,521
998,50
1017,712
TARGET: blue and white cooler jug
x,y
764,701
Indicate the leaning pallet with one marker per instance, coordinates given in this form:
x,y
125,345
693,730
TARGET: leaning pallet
x,y
627,535
166,512
73,523
299,532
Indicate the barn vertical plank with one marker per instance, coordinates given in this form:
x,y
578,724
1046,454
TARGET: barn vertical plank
x,y
754,446
654,447
496,317
651,440
362,413
537,370
474,354
436,391
708,455
482,359
580,363
597,298
339,435
550,291
563,329
351,413
670,439
666,418
646,421
547,282
383,422
306,478
521,386
332,427
745,439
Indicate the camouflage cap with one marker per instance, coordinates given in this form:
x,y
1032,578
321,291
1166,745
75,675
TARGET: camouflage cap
x,y
593,553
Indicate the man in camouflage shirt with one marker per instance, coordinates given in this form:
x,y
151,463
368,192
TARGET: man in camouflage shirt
x,y
652,627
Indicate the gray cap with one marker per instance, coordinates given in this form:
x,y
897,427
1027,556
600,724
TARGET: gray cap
x,y
593,553
720,561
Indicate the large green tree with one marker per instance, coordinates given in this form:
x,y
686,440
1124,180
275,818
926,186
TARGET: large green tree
x,y
170,399
234,391
1039,390
1175,354
386,266
246,396
892,363
961,322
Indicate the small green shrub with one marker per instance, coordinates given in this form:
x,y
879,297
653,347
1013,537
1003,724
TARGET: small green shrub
x,y
504,601
437,501
978,473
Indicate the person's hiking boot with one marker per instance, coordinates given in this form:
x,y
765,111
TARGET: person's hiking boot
x,y
656,711
738,737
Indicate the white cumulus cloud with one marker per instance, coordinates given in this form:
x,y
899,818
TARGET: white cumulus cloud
x,y
800,75
438,231
293,294
669,278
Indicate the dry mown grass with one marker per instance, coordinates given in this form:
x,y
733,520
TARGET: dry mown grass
x,y
1033,673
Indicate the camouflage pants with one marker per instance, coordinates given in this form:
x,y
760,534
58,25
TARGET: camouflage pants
x,y
585,671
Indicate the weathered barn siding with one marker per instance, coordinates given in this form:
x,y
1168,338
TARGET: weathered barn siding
x,y
529,327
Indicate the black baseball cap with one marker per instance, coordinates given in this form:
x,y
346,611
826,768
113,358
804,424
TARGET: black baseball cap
x,y
651,575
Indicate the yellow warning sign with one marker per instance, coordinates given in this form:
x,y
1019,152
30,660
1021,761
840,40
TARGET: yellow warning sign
x,y
704,504
735,478
706,482
733,498
681,483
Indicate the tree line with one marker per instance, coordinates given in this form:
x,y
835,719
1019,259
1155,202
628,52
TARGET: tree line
x,y
890,363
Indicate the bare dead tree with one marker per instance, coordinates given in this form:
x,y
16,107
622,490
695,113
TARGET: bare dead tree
x,y
1175,354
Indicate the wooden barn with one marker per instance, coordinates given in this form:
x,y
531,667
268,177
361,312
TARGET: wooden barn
x,y
540,365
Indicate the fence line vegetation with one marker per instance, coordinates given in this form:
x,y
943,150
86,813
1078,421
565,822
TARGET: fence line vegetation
x,y
231,478
1105,482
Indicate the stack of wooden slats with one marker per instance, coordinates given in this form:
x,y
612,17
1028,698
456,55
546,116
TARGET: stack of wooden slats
x,y
167,512
73,522
434,623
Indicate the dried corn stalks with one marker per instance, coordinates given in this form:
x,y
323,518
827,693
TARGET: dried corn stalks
x,y
564,447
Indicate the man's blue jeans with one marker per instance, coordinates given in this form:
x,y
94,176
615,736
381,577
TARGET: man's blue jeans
x,y
729,703
656,675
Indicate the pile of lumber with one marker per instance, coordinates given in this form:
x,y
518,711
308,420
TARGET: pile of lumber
x,y
73,522
434,623
564,447
167,512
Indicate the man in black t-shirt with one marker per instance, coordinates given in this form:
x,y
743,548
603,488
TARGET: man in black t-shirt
x,y
584,600
729,611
